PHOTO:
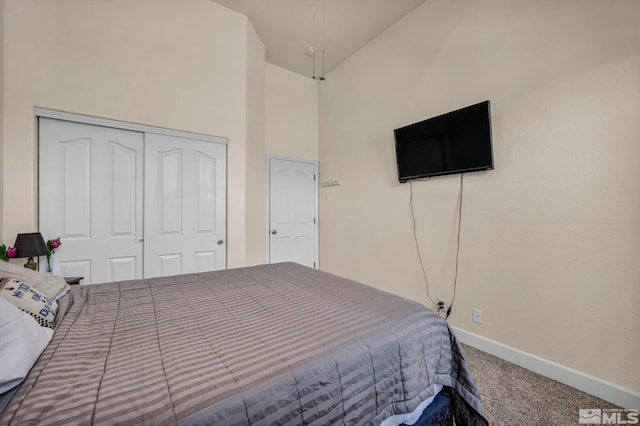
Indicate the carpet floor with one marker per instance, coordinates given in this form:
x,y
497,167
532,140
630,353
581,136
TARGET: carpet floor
x,y
514,396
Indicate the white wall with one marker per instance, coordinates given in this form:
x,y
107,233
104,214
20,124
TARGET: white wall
x,y
291,114
2,119
180,64
256,173
550,238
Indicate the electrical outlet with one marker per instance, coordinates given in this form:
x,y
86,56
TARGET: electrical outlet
x,y
442,305
476,315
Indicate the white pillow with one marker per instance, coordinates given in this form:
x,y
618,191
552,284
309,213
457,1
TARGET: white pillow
x,y
51,286
23,340
25,298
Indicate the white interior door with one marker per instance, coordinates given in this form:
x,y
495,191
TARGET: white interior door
x,y
131,203
91,196
185,206
292,211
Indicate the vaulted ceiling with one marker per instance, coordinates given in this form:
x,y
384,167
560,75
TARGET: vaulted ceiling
x,y
286,27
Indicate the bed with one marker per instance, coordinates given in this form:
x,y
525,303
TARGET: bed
x,y
276,344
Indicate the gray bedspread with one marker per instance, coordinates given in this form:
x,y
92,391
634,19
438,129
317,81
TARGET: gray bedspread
x,y
266,345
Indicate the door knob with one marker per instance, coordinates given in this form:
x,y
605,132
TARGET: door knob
x,y
274,232
220,242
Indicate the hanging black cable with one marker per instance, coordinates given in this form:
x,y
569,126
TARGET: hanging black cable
x,y
313,47
322,78
455,277
415,238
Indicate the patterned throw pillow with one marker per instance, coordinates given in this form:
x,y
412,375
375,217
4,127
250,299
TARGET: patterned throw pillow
x,y
25,298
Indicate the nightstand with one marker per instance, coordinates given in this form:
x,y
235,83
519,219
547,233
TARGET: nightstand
x,y
73,280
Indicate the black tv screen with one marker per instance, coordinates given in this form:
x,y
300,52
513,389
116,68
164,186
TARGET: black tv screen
x,y
455,142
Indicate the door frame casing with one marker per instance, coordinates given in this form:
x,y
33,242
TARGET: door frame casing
x,y
125,125
269,157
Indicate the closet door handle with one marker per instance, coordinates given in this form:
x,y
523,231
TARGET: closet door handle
x,y
138,240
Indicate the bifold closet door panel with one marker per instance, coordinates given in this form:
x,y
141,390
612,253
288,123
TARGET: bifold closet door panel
x,y
91,195
185,205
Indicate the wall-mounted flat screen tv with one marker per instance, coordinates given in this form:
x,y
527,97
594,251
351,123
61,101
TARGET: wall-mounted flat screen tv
x,y
455,142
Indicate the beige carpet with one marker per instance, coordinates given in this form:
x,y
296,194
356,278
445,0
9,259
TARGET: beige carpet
x,y
515,396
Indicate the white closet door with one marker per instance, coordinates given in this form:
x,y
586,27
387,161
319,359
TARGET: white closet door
x,y
90,195
185,205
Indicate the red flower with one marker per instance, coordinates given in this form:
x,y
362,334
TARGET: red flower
x,y
52,245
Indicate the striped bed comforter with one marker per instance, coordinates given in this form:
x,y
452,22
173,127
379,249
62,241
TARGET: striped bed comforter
x,y
266,345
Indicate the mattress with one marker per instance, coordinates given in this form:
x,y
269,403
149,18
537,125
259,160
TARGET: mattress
x,y
266,345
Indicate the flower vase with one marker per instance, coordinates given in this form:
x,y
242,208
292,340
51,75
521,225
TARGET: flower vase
x,y
49,268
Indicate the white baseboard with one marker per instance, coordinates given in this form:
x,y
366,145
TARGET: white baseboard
x,y
611,392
